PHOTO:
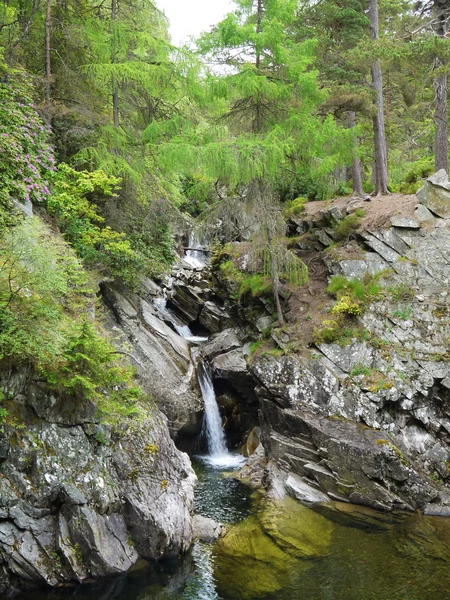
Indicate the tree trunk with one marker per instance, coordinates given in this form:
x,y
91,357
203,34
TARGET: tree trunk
x,y
442,13
441,123
276,285
356,163
380,149
257,124
115,86
48,60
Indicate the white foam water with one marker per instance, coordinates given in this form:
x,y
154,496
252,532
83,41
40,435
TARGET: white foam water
x,y
218,457
182,330
194,256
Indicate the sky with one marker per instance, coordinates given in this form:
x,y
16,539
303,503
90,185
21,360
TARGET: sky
x,y
191,17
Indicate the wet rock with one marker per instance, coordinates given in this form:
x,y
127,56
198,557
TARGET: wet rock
x,y
162,358
232,367
188,301
214,318
206,529
435,194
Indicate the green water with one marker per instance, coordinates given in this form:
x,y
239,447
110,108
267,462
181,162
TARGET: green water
x,y
290,552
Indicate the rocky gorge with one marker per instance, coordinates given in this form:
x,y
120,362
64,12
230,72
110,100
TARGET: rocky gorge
x,y
349,411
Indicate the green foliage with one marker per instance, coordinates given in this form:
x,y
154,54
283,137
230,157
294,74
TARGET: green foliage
x,y
257,285
295,206
90,369
44,297
345,228
352,296
359,369
77,215
26,158
328,333
345,305
403,313
401,292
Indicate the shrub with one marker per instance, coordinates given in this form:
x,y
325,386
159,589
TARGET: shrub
x,y
27,159
346,305
343,229
257,285
44,299
295,207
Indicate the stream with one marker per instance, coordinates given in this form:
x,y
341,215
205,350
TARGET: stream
x,y
281,551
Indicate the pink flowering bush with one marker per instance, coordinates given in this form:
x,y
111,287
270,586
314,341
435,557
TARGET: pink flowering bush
x,y
26,158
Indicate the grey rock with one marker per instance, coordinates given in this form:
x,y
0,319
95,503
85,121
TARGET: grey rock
x,y
163,361
187,301
344,460
213,318
335,213
303,492
404,223
220,343
435,194
206,529
323,237
385,251
93,509
263,323
232,367
423,214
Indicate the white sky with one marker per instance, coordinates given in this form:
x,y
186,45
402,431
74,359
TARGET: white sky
x,y
191,17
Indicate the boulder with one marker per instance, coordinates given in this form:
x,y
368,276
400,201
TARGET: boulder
x,y
220,343
347,462
404,223
232,368
214,318
206,529
435,194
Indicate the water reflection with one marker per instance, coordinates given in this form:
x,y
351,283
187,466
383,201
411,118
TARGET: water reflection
x,y
290,552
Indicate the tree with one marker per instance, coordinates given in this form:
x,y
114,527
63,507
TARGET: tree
x,y
339,28
380,148
441,10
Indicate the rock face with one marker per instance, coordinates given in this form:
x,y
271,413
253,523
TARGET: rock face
x,y
81,501
163,360
224,352
368,421
435,194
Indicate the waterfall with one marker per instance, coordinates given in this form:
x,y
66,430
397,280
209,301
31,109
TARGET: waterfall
x,y
194,257
216,438
218,454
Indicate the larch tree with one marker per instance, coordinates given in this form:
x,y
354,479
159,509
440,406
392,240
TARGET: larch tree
x,y
268,100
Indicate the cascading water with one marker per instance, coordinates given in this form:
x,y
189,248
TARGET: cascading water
x,y
195,255
183,330
216,438
218,454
